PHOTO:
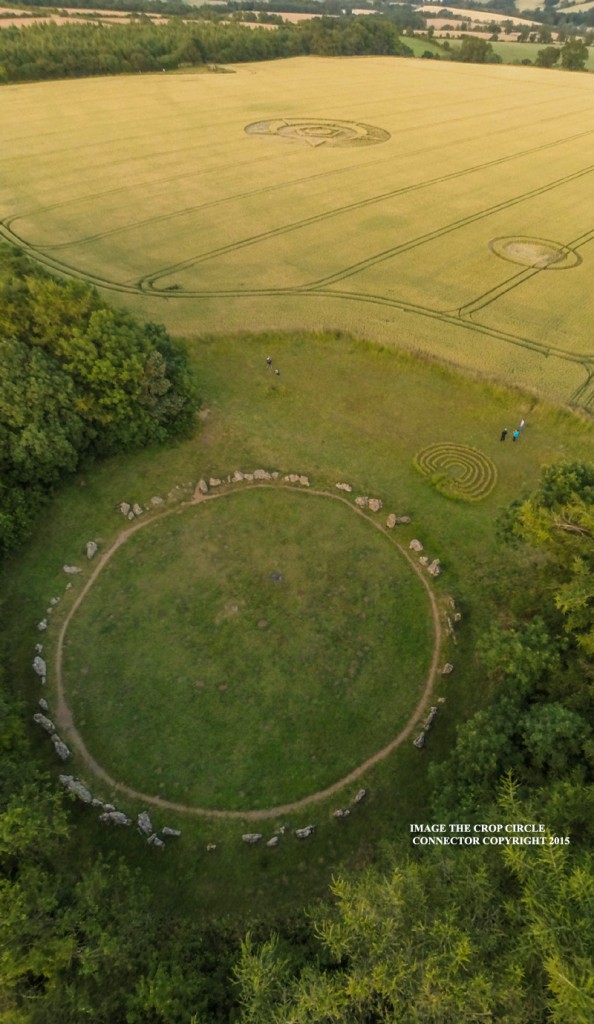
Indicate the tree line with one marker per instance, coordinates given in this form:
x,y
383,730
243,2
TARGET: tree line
x,y
75,50
78,379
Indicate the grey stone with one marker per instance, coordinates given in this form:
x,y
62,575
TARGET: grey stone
x,y
130,515
415,545
95,802
391,521
304,481
402,520
251,837
306,832
76,787
156,500
344,487
44,722
274,841
435,567
342,812
125,508
420,741
54,601
145,824
72,570
430,718
155,841
249,477
68,586
91,548
109,808
362,501
237,477
447,668
42,625
114,817
209,846
424,560
275,475
60,747
261,474
43,704
214,482
38,648
168,831
375,504
359,796
137,510
39,666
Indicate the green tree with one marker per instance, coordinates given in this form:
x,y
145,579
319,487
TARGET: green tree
x,y
548,57
574,55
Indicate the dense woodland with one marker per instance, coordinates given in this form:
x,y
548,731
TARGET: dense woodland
x,y
435,937
78,379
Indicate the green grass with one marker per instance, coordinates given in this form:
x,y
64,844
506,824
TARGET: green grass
x,y
198,675
342,410
150,186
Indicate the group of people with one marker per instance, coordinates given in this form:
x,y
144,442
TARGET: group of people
x,y
515,434
269,365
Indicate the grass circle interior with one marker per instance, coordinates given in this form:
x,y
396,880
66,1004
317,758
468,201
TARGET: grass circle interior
x,y
248,651
458,471
319,132
536,252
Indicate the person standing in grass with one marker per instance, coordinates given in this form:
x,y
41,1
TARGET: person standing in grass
x,y
503,434
515,435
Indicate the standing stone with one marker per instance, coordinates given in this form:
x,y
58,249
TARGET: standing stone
x,y
125,508
420,741
76,787
251,837
362,501
91,549
360,796
137,510
375,504
237,477
214,481
60,747
54,601
424,561
44,722
209,846
274,841
344,487
447,668
156,500
430,718
168,831
155,841
305,833
342,812
114,818
391,521
415,545
43,704
38,648
42,625
435,567
402,520
72,570
145,824
39,667
304,481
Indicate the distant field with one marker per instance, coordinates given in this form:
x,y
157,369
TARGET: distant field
x,y
439,207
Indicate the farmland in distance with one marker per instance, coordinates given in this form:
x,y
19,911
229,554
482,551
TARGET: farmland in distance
x,y
442,208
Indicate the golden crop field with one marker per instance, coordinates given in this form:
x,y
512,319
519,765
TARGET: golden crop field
x,y
440,207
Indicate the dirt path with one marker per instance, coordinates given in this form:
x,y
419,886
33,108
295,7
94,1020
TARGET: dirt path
x,y
66,723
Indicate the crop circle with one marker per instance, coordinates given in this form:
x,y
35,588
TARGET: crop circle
x,y
538,253
319,132
248,652
458,471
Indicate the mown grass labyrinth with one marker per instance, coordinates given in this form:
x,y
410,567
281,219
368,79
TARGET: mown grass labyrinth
x,y
248,652
458,471
267,207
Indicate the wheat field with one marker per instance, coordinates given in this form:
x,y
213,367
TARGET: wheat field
x,y
440,207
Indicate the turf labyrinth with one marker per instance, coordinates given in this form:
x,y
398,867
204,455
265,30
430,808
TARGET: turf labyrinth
x,y
249,651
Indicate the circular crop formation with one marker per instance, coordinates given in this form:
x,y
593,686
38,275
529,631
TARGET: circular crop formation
x,y
247,652
317,132
536,252
458,471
